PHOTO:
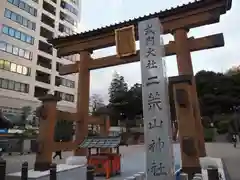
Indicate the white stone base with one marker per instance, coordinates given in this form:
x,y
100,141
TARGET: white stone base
x,y
76,160
209,162
206,162
64,172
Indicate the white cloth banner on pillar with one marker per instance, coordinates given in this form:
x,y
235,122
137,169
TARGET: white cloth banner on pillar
x,y
156,110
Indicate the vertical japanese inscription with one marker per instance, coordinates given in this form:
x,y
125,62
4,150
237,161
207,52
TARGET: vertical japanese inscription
x,y
155,102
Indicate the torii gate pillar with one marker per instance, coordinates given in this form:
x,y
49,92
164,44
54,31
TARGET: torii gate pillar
x,y
48,115
185,67
82,100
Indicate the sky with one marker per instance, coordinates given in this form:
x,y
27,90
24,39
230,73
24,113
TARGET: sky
x,y
99,13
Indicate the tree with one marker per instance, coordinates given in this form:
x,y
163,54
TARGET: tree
x,y
63,131
96,102
218,93
133,107
233,71
117,89
5,123
26,111
117,98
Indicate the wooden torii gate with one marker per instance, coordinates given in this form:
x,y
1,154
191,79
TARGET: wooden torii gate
x,y
177,21
49,115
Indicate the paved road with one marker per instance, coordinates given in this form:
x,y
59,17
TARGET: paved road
x,y
133,159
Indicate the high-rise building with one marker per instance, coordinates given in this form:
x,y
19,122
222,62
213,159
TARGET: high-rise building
x,y
28,64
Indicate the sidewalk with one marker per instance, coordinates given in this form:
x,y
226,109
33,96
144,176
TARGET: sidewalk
x,y
133,159
230,156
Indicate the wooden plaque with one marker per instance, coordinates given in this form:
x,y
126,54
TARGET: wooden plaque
x,y
125,41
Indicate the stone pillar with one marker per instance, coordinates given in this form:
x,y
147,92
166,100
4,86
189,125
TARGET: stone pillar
x,y
185,67
45,140
83,101
186,124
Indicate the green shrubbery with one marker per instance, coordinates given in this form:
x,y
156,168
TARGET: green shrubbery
x,y
222,127
63,131
209,134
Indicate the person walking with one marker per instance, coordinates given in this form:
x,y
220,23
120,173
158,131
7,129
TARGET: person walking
x,y
234,139
58,153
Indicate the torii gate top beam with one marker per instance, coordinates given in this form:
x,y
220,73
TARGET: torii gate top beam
x,y
189,15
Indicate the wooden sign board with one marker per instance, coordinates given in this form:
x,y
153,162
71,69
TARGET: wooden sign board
x,y
125,41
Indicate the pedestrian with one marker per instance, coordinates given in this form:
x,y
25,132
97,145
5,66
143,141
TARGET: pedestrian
x,y
1,150
58,153
234,139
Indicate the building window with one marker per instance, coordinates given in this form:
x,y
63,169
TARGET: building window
x,y
68,18
74,2
16,68
7,13
9,48
69,97
64,96
47,20
13,67
49,8
17,86
13,85
2,46
5,30
68,83
1,64
58,65
64,82
15,50
7,66
16,34
64,29
19,19
24,6
4,84
11,32
69,7
45,47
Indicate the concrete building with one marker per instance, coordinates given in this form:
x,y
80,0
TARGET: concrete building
x,y
28,64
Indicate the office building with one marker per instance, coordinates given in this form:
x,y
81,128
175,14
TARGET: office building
x,y
28,64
